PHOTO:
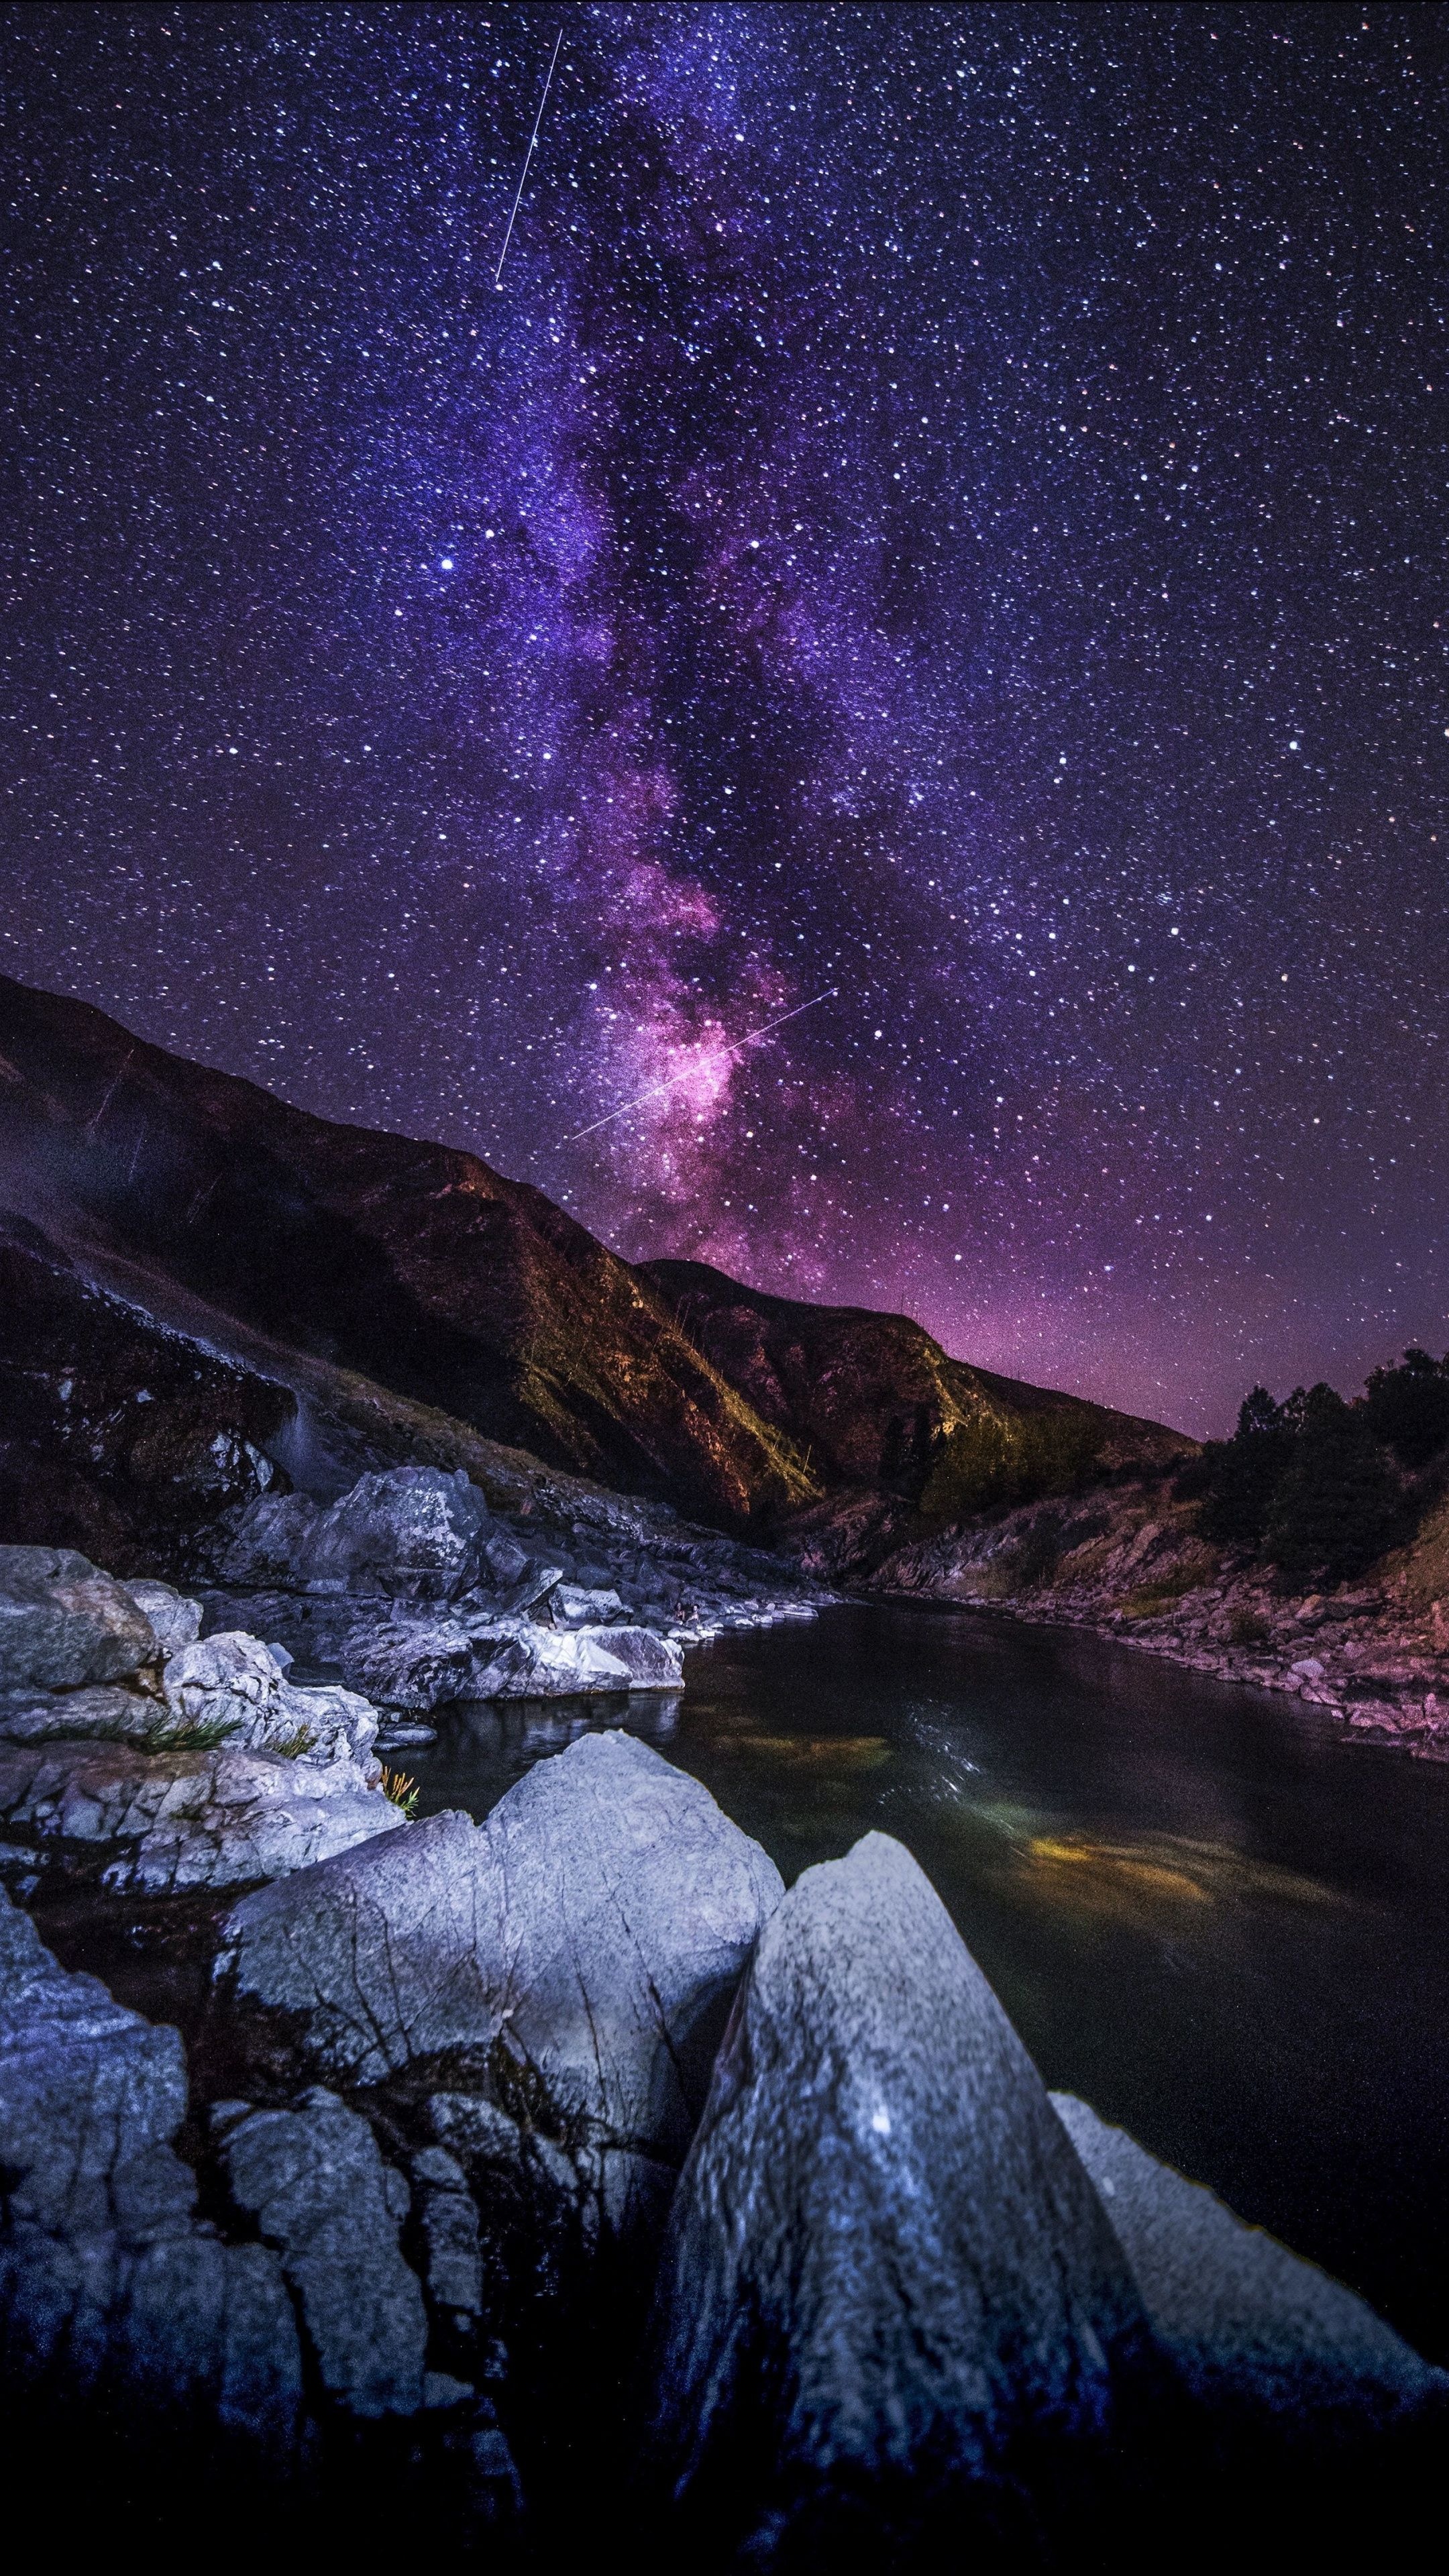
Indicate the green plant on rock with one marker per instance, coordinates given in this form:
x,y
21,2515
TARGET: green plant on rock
x,y
1248,1628
194,1735
292,1747
403,1792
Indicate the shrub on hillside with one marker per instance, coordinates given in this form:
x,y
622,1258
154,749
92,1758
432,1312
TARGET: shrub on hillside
x,y
1342,1501
1238,1479
999,1460
1408,1408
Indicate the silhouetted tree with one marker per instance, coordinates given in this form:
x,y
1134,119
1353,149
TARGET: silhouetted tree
x,y
1408,1407
1239,1478
1341,1502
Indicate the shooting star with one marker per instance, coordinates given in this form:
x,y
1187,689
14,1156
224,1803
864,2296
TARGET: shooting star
x,y
752,1037
528,156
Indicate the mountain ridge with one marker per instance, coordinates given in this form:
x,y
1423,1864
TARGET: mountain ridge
x,y
418,1267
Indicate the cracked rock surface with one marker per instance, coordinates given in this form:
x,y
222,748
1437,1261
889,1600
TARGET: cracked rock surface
x,y
107,2280
885,2263
591,1931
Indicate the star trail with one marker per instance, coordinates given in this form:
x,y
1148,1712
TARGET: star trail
x,y
941,509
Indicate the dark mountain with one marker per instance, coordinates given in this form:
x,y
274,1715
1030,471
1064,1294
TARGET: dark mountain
x,y
212,1207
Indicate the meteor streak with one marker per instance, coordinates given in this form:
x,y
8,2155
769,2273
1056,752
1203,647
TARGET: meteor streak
x,y
528,156
752,1037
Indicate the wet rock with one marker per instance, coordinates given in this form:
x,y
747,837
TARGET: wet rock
x,y
64,1623
651,1662
1251,2328
583,1944
314,2181
215,1818
106,2280
886,2288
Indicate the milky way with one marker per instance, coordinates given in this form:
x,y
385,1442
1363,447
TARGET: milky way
x,y
945,504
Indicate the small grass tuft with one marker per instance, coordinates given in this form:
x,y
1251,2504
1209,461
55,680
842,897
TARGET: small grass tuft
x,y
403,1792
202,1736
293,1746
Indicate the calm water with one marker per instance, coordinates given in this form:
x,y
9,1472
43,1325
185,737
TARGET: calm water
x,y
1204,1910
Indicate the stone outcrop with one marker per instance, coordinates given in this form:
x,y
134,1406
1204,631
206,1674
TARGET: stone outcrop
x,y
405,1531
422,1664
63,1623
174,1620
312,2178
1254,2332
887,2275
580,1948
235,1688
202,1767
174,1820
117,1436
111,2290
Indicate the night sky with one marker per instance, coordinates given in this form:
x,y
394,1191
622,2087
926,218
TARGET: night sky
x,y
945,508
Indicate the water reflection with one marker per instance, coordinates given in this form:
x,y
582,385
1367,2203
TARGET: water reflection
x,y
1207,1910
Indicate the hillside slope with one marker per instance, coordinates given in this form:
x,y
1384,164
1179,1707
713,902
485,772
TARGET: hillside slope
x,y
420,1269
413,1264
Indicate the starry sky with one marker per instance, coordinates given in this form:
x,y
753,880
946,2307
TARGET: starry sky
x,y
940,518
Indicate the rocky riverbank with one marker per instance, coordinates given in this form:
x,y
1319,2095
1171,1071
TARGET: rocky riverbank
x,y
564,2175
1130,1562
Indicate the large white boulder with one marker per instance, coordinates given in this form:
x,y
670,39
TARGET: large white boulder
x,y
889,2288
580,1948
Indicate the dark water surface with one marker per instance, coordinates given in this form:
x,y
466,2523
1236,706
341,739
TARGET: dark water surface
x,y
1205,1910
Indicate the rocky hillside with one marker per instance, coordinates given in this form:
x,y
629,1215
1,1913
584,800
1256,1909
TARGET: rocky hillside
x,y
873,1403
293,1246
1135,1562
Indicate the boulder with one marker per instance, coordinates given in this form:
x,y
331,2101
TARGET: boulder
x,y
652,1662
106,1712
175,1621
575,1605
63,1623
233,1688
887,2291
422,1663
107,2282
314,2181
582,1945
269,1541
1253,2330
221,1817
415,1531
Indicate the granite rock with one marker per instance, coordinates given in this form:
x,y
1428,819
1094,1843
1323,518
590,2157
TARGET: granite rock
x,y
313,2179
222,1817
583,1944
886,2289
1252,2329
108,2285
64,1623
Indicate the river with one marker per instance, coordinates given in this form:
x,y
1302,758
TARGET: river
x,y
1206,1910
